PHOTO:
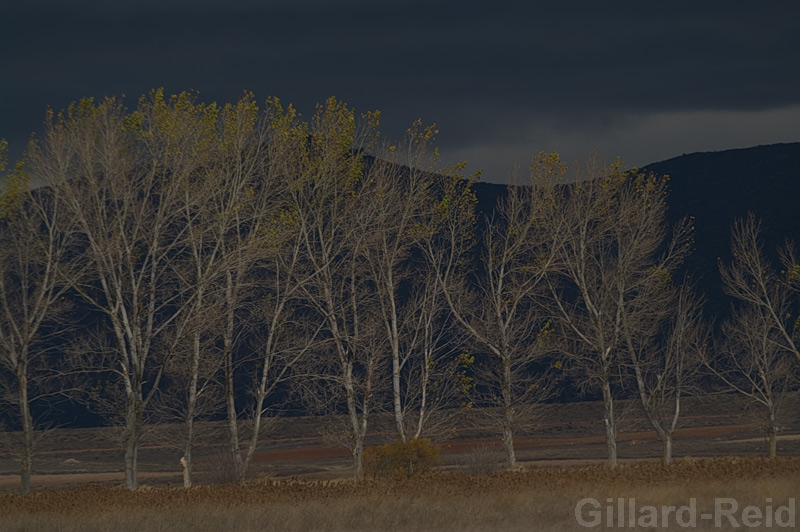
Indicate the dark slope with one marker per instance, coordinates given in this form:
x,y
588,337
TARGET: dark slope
x,y
487,195
718,187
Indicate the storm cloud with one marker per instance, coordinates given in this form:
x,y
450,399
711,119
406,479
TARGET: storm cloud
x,y
645,82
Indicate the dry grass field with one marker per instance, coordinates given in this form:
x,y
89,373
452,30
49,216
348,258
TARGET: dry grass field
x,y
527,499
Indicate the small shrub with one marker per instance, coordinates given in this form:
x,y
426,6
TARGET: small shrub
x,y
401,460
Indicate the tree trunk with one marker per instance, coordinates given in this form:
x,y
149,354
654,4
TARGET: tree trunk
x,y
667,457
398,407
230,391
358,452
359,429
394,337
131,459
26,463
25,475
772,431
233,427
508,415
508,445
610,425
186,464
186,460
191,412
423,406
257,420
133,426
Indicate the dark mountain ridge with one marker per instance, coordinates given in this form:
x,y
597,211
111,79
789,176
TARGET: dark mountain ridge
x,y
717,188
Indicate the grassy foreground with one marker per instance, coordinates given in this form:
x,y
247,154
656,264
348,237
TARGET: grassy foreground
x,y
530,499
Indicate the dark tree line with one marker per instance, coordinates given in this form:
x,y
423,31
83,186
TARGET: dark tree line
x,y
241,258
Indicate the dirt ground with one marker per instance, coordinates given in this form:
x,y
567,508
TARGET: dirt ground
x,y
565,434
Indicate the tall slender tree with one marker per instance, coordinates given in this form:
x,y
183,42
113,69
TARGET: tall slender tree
x,y
664,352
217,202
500,306
751,362
35,240
760,352
122,177
752,281
399,195
610,264
264,276
327,203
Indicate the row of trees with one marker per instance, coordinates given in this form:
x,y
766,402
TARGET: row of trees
x,y
198,260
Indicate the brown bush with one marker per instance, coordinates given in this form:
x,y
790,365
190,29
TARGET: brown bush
x,y
401,460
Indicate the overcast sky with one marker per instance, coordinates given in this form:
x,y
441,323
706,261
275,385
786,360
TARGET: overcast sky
x,y
645,81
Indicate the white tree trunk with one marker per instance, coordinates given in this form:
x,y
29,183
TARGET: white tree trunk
x,y
667,456
610,425
772,431
26,463
131,455
508,415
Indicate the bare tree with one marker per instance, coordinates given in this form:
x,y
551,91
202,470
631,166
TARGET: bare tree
x,y
431,344
193,387
212,195
240,202
238,269
760,352
500,307
267,260
121,175
34,245
751,361
665,350
751,279
328,204
610,259
399,198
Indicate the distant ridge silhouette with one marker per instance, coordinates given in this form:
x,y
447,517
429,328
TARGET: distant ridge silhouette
x,y
719,187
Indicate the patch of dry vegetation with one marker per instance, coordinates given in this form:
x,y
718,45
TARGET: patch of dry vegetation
x,y
540,499
401,460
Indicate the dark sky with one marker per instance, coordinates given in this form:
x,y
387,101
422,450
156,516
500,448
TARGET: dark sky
x,y
645,81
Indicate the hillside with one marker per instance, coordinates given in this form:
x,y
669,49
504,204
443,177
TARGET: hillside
x,y
719,187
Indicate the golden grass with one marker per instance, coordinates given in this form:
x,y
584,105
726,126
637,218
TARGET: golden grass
x,y
531,499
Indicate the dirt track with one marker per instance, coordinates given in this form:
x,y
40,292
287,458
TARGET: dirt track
x,y
568,435
315,453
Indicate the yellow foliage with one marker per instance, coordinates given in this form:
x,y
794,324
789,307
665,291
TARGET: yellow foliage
x,y
793,274
12,186
466,383
547,169
3,154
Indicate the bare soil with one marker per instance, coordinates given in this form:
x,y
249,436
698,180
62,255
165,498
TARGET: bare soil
x,y
565,434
